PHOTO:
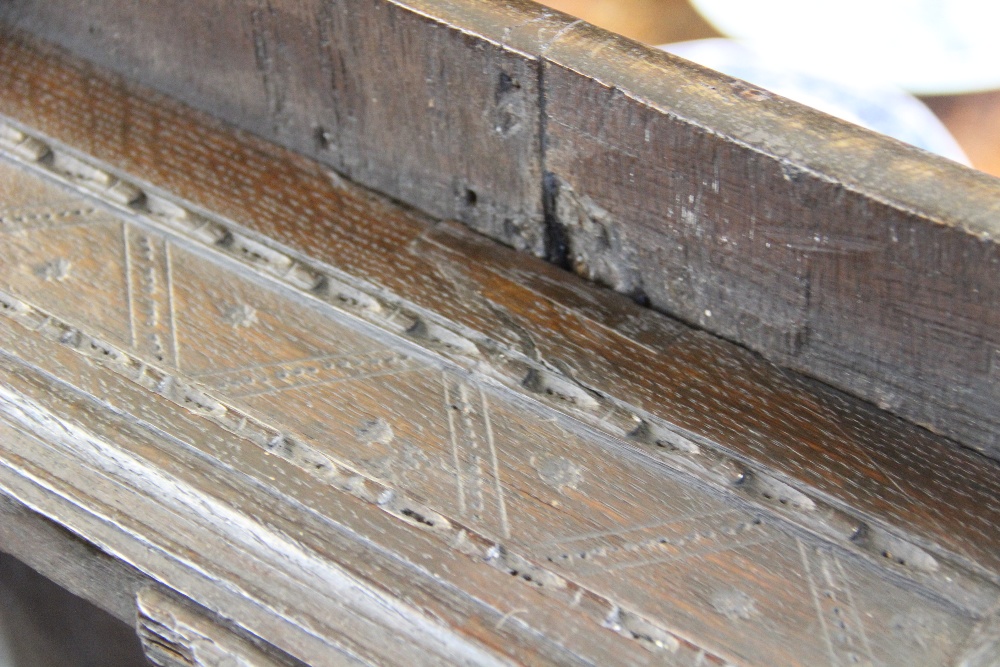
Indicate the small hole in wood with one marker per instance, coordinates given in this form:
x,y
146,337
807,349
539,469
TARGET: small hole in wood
x,y
417,516
322,138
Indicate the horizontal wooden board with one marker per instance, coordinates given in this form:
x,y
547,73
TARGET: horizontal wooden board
x,y
854,258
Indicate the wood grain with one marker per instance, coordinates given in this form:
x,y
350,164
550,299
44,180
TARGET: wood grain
x,y
828,249
413,99
265,388
597,340
865,263
176,633
276,454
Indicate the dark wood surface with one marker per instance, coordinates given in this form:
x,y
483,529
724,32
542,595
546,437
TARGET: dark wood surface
x,y
839,254
427,110
828,249
366,437
973,118
43,625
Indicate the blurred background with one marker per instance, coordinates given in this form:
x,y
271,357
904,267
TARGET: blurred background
x,y
868,61
43,625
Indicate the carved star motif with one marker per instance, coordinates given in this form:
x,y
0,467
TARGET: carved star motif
x,y
240,315
56,269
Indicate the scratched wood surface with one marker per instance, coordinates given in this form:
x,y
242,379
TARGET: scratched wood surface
x,y
418,130
176,633
397,429
509,316
868,264
848,256
134,353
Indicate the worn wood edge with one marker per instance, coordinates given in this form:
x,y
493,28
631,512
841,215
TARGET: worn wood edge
x,y
702,458
206,574
69,560
873,165
137,555
177,633
519,25
131,596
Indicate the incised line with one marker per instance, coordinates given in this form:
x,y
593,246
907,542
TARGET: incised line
x,y
128,284
454,444
341,477
816,602
170,305
504,524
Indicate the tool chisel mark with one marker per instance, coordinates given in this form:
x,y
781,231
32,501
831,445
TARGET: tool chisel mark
x,y
449,412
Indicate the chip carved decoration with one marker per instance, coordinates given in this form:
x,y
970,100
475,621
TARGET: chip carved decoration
x,y
401,427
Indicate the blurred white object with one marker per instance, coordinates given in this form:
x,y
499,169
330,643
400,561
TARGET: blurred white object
x,y
923,46
880,107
